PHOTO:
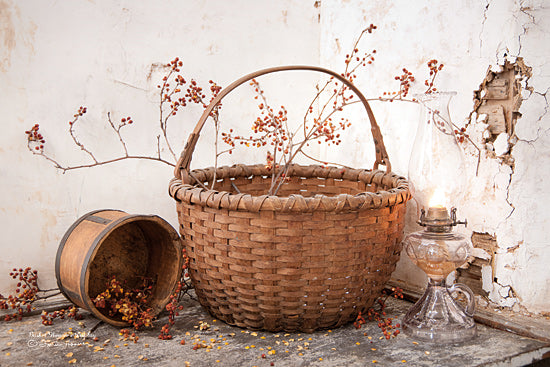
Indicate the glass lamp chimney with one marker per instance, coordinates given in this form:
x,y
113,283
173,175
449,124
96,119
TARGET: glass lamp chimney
x,y
436,166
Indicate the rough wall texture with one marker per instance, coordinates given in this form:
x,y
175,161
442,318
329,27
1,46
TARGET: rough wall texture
x,y
56,56
506,119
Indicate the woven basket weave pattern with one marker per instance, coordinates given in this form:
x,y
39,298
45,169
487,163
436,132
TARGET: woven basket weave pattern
x,y
289,270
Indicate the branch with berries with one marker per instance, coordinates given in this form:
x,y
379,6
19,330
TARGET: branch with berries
x,y
271,129
128,305
27,292
405,81
131,305
173,307
378,313
174,93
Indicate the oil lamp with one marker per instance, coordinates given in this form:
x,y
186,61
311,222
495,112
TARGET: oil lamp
x,y
436,174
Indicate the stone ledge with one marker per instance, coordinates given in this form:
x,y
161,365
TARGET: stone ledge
x,y
28,341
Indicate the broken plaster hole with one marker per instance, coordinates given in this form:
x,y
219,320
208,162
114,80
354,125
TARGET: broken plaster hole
x,y
497,101
479,273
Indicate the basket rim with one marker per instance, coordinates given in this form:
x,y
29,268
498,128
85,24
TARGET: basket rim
x,y
398,192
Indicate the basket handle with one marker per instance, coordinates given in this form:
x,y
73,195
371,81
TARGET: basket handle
x,y
182,167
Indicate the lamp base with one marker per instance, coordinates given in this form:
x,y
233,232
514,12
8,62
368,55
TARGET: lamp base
x,y
438,318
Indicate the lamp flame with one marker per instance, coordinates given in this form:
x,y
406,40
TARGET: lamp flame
x,y
438,199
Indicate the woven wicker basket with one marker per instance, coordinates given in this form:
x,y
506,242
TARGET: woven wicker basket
x,y
310,258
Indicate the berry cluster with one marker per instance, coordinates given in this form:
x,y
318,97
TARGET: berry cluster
x,y
35,140
379,314
329,131
194,93
270,128
405,81
126,121
270,161
171,94
71,312
173,306
440,123
461,135
81,111
435,67
130,305
370,28
26,293
366,58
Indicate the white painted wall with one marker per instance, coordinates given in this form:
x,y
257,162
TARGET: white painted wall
x,y
56,56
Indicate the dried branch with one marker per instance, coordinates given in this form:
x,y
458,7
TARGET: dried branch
x,y
435,68
117,130
81,112
35,143
171,100
269,129
166,95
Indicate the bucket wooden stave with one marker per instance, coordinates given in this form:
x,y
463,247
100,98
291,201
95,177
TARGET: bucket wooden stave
x,y
106,243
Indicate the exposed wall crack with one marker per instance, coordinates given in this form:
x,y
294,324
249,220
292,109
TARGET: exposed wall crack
x,y
506,291
525,26
540,131
487,4
508,201
543,95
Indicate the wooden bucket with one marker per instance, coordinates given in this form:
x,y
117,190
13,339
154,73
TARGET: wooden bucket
x,y
107,243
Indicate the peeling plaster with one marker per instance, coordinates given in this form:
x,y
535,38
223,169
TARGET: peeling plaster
x,y
499,98
513,263
499,122
479,274
496,106
502,296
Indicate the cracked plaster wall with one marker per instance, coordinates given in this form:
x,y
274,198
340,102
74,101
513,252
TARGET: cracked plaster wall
x,y
508,200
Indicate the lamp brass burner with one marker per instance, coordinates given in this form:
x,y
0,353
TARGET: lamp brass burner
x,y
438,219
